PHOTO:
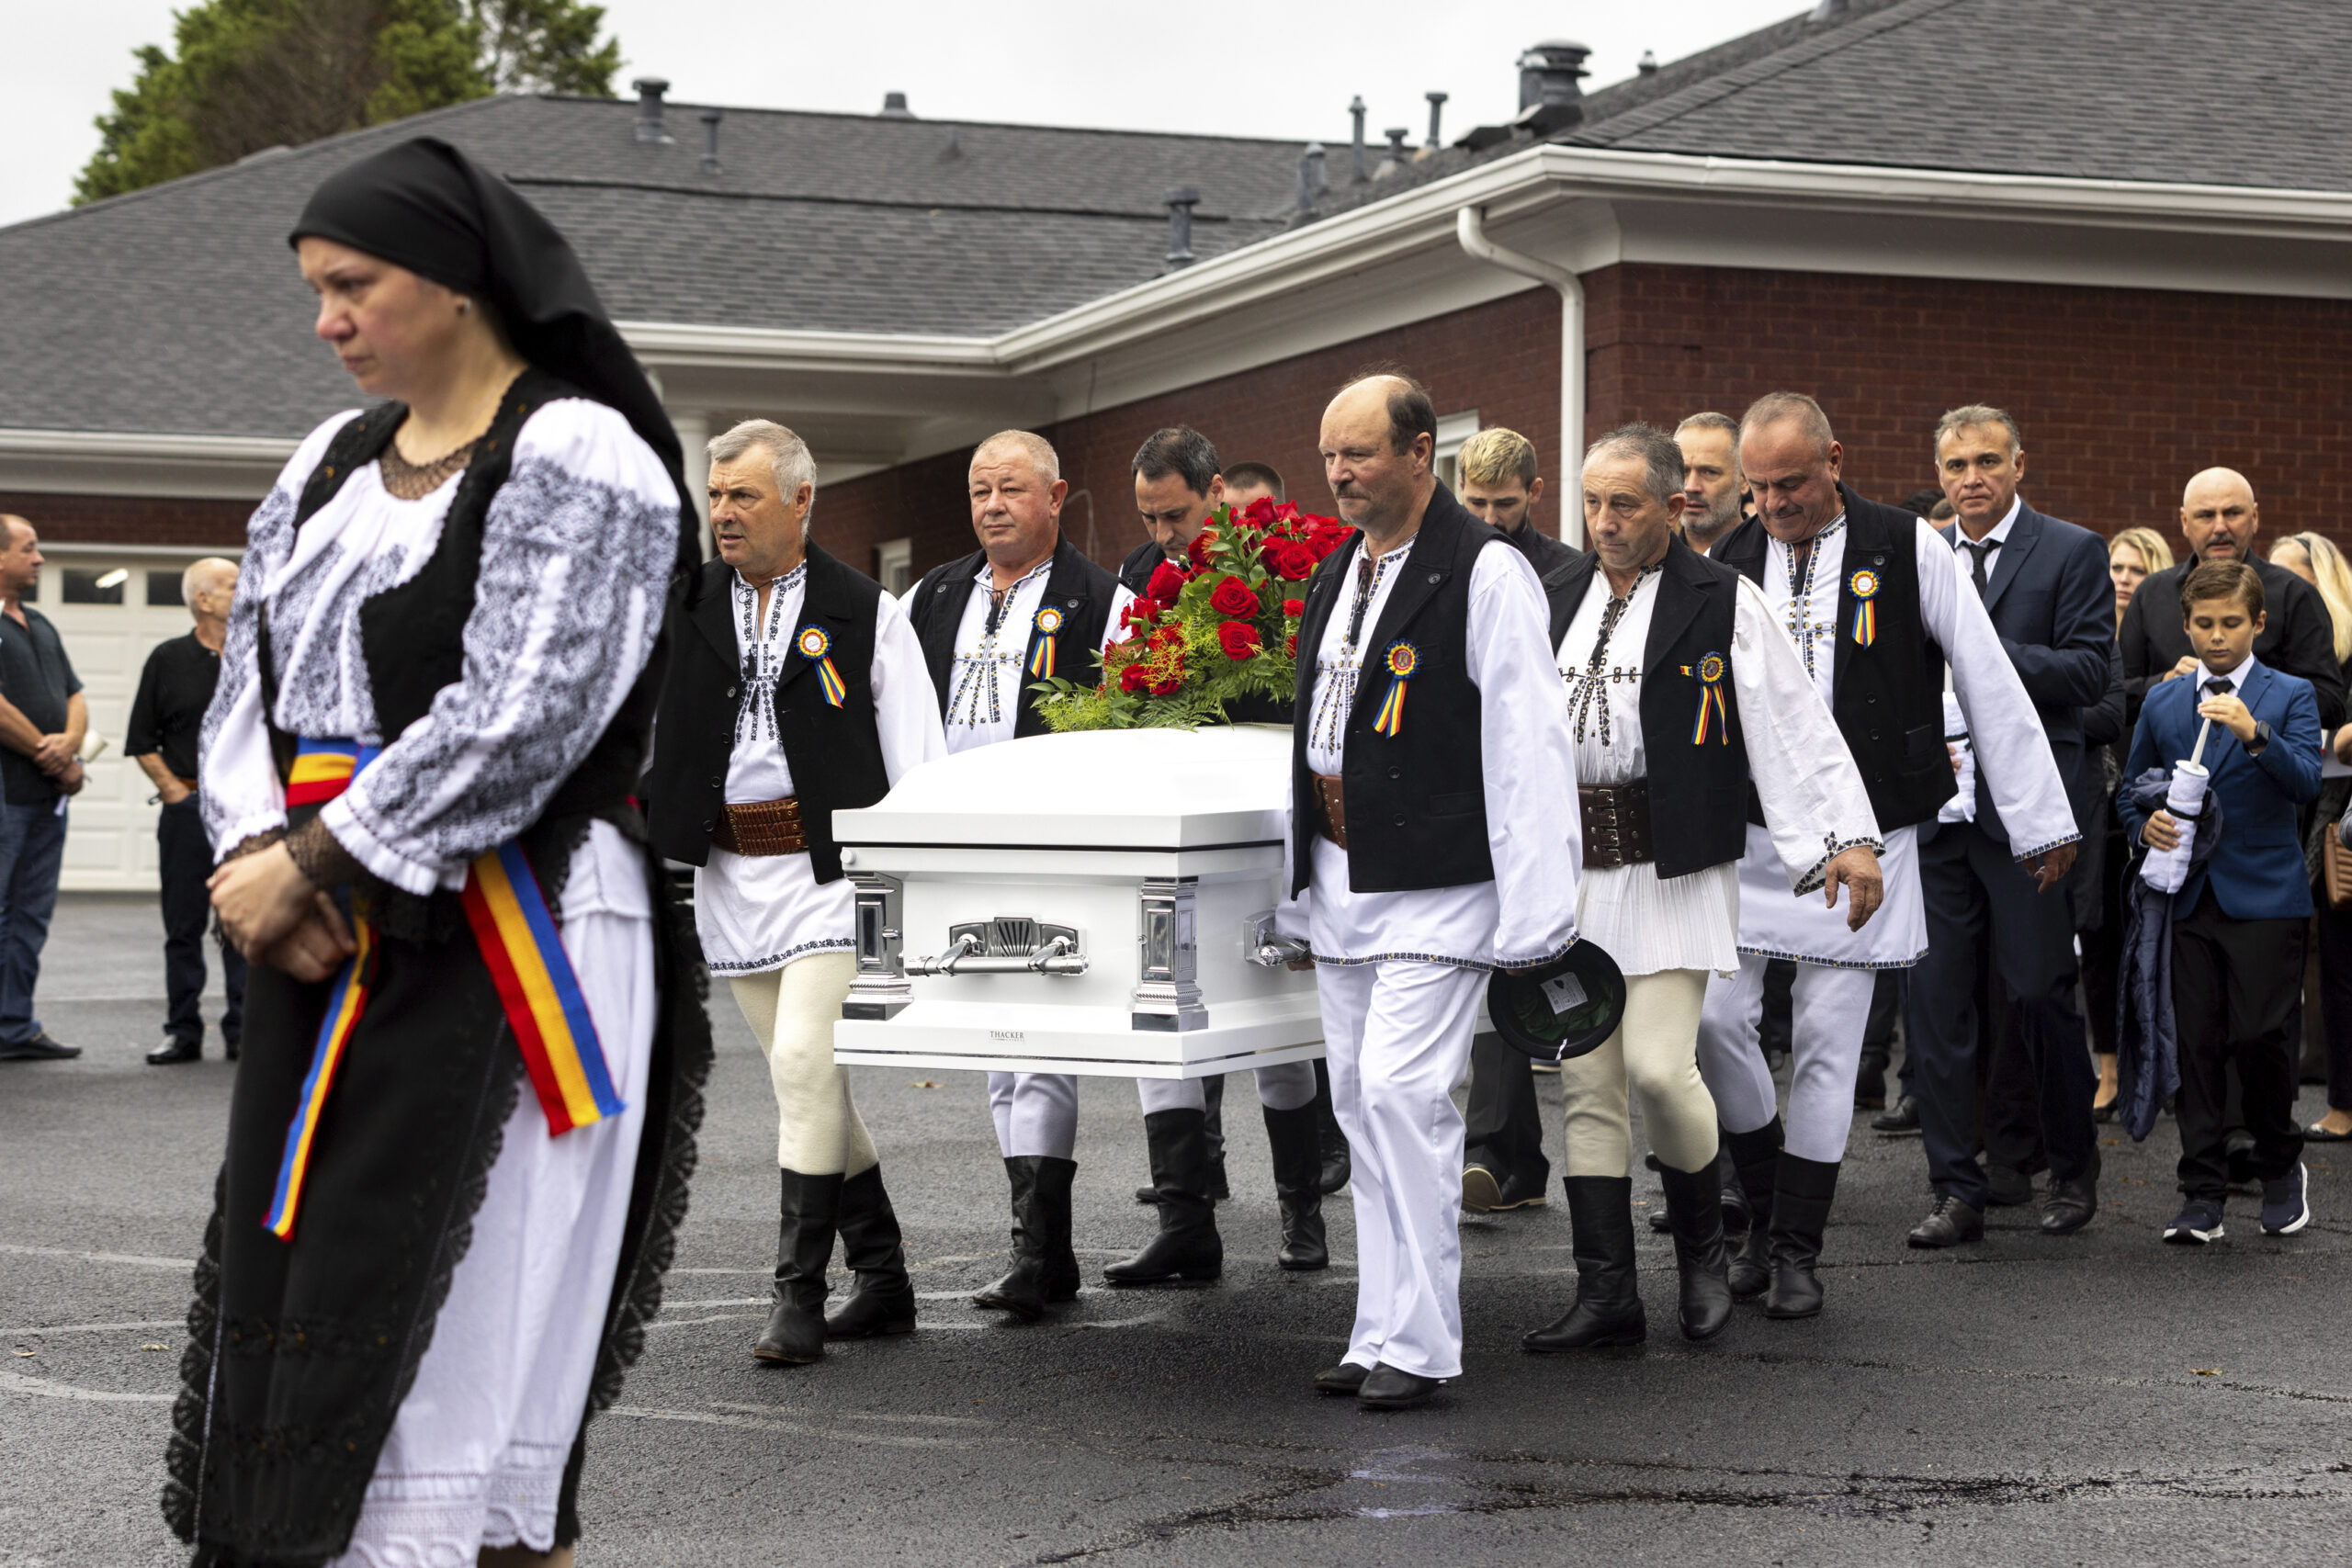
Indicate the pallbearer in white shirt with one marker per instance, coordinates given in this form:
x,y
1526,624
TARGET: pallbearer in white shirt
x,y
1430,776
1683,693
799,691
1024,606
1876,604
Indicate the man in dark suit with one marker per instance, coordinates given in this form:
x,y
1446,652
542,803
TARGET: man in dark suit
x,y
2219,517
2238,918
1176,487
2044,584
1504,1166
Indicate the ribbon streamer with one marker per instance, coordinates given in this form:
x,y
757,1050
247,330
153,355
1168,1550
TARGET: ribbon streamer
x,y
1402,657
1711,702
345,1005
816,646
1041,659
1865,585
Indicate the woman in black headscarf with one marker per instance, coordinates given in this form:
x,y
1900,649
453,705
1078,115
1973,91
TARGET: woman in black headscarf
x,y
474,1036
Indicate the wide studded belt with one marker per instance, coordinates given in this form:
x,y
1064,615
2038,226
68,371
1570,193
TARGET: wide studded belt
x,y
1616,824
1334,809
762,828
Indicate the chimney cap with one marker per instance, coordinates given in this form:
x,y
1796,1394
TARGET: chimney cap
x,y
650,87
649,109
1648,65
894,106
1182,195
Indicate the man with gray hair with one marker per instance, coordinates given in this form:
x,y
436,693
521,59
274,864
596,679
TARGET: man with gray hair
x,y
1876,604
174,689
1024,606
1684,696
1712,489
795,690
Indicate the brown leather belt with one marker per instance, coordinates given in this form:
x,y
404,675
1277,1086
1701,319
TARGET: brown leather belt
x,y
1334,825
1616,824
762,828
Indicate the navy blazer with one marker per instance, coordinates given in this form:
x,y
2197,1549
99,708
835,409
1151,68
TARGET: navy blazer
x,y
2050,599
2257,869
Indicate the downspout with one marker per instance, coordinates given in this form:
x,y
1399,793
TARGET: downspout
x,y
1470,226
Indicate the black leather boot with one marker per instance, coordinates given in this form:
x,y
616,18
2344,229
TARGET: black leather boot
x,y
1187,1247
1756,1156
1044,1268
1695,1213
1801,1197
1337,1166
1608,1307
882,1299
795,1332
1735,1199
1298,1174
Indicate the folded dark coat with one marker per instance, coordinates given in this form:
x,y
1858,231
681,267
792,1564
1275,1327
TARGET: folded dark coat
x,y
2146,1045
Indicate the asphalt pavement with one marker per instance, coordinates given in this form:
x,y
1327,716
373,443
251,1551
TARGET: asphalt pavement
x,y
2100,1398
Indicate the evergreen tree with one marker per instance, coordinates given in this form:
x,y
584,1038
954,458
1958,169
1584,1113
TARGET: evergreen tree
x,y
249,75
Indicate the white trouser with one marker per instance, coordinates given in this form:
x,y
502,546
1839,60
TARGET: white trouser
x,y
1830,1010
1654,1053
1285,1087
1035,1113
1398,1036
792,1012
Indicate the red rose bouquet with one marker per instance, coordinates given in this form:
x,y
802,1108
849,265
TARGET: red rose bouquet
x,y
1222,627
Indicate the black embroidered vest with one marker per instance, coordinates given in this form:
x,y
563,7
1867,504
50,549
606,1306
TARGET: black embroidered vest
x,y
1080,589
1888,694
1416,800
1697,777
835,753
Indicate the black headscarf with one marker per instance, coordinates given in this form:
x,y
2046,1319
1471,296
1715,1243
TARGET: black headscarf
x,y
424,206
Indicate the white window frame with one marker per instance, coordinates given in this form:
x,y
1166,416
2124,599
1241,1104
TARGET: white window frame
x,y
1453,431
898,555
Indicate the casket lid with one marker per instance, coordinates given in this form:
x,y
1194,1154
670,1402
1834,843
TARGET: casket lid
x,y
1226,784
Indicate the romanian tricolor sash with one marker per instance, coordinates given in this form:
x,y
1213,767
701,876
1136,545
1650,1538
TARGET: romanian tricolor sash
x,y
1711,702
1402,657
528,966
1041,662
1865,586
816,646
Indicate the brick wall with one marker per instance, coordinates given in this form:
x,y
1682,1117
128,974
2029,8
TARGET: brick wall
x,y
2122,393
132,520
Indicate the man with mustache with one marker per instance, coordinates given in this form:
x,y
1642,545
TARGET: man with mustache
x,y
1876,601
2219,517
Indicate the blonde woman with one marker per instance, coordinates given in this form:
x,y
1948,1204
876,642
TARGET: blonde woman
x,y
2133,556
2321,565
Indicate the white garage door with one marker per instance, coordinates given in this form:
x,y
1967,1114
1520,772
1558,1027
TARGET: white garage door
x,y
112,606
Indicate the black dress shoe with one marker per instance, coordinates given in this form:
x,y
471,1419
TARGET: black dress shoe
x,y
172,1052
229,1049
1148,1194
40,1048
2069,1206
1870,1083
1345,1378
1521,1191
1386,1388
1902,1116
1949,1223
2005,1187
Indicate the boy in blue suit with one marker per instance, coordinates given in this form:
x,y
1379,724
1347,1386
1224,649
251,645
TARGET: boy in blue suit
x,y
2237,954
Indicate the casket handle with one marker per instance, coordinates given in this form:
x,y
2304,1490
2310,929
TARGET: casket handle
x,y
1021,947
1267,948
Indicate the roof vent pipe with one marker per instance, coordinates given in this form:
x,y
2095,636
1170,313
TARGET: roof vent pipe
x,y
1548,73
1828,11
1310,181
1180,228
1396,155
1437,108
710,118
1648,67
894,106
1355,108
649,109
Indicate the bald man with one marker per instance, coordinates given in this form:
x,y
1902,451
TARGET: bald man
x,y
2219,517
173,691
1432,772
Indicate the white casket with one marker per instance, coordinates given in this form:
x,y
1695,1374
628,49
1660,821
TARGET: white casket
x,y
1091,903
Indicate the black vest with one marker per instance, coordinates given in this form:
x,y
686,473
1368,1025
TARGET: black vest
x,y
1416,800
1888,697
1698,788
1076,586
412,636
835,753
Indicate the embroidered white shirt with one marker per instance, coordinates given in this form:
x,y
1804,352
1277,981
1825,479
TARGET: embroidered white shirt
x,y
989,674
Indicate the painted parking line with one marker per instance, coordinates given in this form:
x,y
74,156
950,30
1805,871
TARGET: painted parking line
x,y
46,1388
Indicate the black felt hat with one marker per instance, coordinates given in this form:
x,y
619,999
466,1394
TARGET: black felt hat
x,y
1560,1010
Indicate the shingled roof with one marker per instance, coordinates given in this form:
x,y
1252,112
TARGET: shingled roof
x,y
177,308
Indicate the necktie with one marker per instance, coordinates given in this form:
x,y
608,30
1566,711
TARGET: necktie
x,y
1976,554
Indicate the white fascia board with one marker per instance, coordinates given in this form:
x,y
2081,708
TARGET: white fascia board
x,y
679,344
105,462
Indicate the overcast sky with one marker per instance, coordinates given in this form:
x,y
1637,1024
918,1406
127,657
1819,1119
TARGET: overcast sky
x,y
1245,67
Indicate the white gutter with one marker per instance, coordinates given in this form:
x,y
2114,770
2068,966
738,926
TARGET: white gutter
x,y
1470,228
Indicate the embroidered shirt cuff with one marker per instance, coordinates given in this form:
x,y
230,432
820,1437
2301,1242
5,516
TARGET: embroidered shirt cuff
x,y
2021,856
1518,964
374,854
1814,878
